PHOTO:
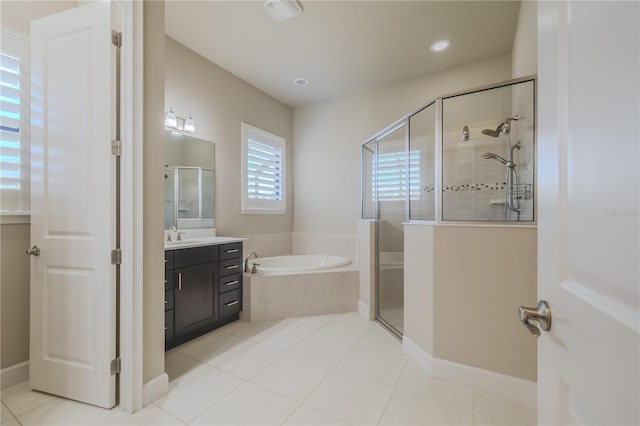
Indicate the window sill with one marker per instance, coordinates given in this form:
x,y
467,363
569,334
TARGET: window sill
x,y
263,211
14,217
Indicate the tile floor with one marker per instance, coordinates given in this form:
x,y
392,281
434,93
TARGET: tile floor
x,y
321,370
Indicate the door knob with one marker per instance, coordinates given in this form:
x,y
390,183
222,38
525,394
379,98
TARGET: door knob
x,y
541,314
34,251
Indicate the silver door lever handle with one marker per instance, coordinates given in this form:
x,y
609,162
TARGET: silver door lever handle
x,y
541,314
33,251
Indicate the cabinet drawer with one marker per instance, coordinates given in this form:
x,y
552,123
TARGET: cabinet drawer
x,y
195,256
168,259
168,300
169,278
230,251
168,325
230,303
231,266
230,282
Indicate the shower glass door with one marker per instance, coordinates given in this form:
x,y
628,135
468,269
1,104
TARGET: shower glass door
x,y
391,194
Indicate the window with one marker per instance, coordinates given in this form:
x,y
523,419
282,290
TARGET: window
x,y
392,176
263,171
14,124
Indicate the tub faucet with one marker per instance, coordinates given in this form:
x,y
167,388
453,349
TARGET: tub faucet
x,y
254,269
246,260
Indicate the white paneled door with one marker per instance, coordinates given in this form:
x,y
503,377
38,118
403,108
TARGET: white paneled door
x,y
73,292
589,212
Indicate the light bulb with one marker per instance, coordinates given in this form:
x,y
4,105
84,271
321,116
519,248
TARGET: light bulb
x,y
170,119
189,124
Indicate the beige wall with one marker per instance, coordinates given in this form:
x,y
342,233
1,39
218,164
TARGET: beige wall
x,y
481,276
16,16
153,309
418,285
219,102
525,42
14,276
463,286
328,136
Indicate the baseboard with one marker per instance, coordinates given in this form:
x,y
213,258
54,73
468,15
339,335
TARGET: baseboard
x,y
515,388
520,390
14,375
417,354
364,310
155,388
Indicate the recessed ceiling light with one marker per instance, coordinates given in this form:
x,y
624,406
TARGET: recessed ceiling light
x,y
300,81
440,45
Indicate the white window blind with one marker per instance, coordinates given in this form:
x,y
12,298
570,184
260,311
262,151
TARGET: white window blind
x,y
393,177
263,175
264,171
14,123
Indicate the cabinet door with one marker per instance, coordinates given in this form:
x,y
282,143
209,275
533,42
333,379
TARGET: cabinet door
x,y
195,298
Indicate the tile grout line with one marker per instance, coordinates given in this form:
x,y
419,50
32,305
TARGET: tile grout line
x,y
393,392
333,368
13,416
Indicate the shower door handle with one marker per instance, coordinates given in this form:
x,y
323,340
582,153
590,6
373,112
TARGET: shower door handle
x,y
541,314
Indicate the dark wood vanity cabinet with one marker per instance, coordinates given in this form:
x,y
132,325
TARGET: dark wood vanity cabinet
x,y
203,290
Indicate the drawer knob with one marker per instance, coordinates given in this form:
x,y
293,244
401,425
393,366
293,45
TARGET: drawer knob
x,y
233,282
232,251
235,302
233,266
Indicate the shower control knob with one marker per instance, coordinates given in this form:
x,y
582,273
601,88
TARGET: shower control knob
x,y
33,251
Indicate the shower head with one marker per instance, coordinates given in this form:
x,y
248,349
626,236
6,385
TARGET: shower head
x,y
492,133
504,127
492,156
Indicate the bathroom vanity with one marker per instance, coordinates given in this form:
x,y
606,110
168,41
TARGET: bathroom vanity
x,y
203,287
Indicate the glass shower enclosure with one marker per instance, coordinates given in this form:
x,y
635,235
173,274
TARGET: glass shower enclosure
x,y
465,158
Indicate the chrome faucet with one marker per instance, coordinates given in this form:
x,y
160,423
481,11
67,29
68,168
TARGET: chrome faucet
x,y
246,260
178,234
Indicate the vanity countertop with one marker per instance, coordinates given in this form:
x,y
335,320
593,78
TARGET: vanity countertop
x,y
200,242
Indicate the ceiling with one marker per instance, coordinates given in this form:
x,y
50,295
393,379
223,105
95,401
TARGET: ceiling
x,y
340,46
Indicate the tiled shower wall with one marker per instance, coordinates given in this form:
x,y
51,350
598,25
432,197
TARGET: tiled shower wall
x,y
474,188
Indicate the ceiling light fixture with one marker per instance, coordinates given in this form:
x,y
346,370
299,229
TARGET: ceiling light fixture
x,y
283,10
300,81
440,45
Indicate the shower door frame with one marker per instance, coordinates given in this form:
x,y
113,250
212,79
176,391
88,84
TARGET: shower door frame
x,y
405,121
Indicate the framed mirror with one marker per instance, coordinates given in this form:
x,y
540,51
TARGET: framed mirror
x,y
189,182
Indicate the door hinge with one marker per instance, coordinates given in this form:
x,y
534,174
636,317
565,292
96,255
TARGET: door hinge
x,y
116,38
116,364
116,147
116,257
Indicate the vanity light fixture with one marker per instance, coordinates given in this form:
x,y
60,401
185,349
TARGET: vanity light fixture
x,y
189,124
283,10
170,119
178,125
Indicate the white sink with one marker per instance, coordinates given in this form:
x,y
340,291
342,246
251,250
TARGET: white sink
x,y
181,243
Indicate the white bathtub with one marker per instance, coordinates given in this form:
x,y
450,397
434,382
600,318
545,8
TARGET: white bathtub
x,y
299,285
297,263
